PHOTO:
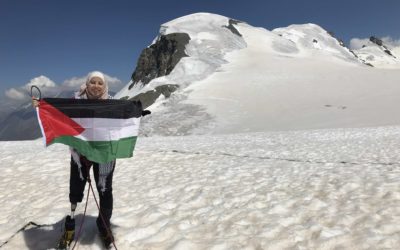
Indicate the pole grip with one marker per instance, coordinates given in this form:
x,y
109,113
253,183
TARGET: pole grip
x,y
40,93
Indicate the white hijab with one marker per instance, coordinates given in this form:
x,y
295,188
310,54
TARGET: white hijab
x,y
84,94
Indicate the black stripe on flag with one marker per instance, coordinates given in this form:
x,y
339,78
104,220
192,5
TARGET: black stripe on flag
x,y
85,108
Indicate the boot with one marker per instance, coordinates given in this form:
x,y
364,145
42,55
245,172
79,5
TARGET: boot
x,y
68,235
106,235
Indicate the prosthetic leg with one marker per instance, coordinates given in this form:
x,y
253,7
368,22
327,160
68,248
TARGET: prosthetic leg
x,y
69,230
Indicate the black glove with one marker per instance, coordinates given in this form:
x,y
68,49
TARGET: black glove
x,y
146,112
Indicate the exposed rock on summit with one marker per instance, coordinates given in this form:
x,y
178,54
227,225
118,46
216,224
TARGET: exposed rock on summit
x,y
160,58
232,28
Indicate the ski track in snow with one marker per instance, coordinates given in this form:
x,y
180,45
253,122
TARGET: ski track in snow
x,y
317,189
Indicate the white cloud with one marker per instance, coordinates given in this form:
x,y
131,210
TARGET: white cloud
x,y
390,42
41,82
22,93
15,94
112,81
74,82
357,43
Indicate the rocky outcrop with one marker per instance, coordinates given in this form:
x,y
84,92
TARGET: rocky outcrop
x,y
389,53
232,28
149,97
160,58
376,40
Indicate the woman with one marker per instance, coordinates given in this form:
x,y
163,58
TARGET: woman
x,y
96,87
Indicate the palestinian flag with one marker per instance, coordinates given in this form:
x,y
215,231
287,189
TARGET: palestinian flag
x,y
101,130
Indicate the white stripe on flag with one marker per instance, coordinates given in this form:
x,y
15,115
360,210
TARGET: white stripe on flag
x,y
106,129
40,124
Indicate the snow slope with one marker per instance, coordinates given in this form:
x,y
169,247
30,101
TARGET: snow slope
x,y
311,39
317,189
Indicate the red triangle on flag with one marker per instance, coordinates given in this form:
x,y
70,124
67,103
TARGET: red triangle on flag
x,y
55,123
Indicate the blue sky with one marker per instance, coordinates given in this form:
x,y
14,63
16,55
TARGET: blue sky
x,y
62,39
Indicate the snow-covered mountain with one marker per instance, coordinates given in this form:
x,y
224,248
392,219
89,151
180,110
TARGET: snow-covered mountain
x,y
233,77
187,49
310,39
376,53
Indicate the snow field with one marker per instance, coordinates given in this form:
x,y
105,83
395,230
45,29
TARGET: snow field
x,y
317,189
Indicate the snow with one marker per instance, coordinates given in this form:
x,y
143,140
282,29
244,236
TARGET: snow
x,y
396,51
311,39
311,189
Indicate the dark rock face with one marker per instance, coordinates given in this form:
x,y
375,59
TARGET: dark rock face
x,y
156,61
232,28
389,53
376,40
160,58
149,97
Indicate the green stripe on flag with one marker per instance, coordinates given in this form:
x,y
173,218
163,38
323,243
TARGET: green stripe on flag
x,y
100,151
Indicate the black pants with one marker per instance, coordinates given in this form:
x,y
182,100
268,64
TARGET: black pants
x,y
77,187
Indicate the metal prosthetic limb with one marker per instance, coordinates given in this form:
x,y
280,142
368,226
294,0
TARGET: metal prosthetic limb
x,y
69,229
73,208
